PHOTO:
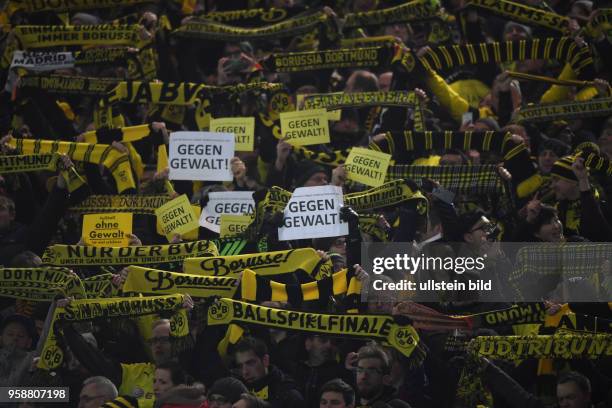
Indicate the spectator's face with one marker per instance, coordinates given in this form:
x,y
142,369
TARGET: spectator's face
x,y
551,231
384,81
319,348
161,348
477,236
92,397
515,33
252,368
333,399
370,377
317,179
564,189
570,396
546,159
15,335
162,381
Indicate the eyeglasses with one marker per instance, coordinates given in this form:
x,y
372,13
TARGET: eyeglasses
x,y
368,370
218,398
160,340
487,228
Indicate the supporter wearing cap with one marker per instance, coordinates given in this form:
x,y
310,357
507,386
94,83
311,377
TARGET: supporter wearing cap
x,y
263,379
579,210
225,392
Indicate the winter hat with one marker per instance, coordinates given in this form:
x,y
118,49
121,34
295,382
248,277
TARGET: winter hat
x,y
305,170
511,24
563,168
586,141
560,148
229,387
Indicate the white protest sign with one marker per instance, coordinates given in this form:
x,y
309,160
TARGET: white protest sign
x,y
313,212
201,156
42,61
226,202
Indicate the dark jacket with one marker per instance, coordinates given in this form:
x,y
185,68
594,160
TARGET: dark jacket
x,y
387,398
282,391
312,379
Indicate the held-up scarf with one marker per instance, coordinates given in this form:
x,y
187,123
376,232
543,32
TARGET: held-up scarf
x,y
254,16
267,263
357,100
516,11
384,328
40,284
566,111
156,282
329,59
597,163
211,30
83,310
28,162
33,6
562,49
55,35
412,11
100,286
480,179
108,136
67,85
137,204
118,163
561,346
77,255
260,289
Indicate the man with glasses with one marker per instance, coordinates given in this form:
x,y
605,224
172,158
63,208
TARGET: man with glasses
x,y
373,378
96,391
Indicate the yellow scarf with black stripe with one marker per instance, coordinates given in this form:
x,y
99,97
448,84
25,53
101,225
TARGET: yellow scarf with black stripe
x,y
118,163
40,284
412,11
30,36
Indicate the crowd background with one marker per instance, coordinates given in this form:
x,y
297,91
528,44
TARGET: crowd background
x,y
554,190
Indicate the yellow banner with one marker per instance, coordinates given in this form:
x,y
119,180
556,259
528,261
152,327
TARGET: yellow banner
x,y
176,217
107,230
242,127
367,166
302,128
28,162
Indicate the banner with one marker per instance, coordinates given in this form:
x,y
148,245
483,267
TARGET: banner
x,y
42,61
34,6
389,194
136,204
300,103
253,15
156,282
176,217
76,255
107,230
68,85
243,129
302,128
226,202
201,156
379,327
313,212
367,166
266,263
